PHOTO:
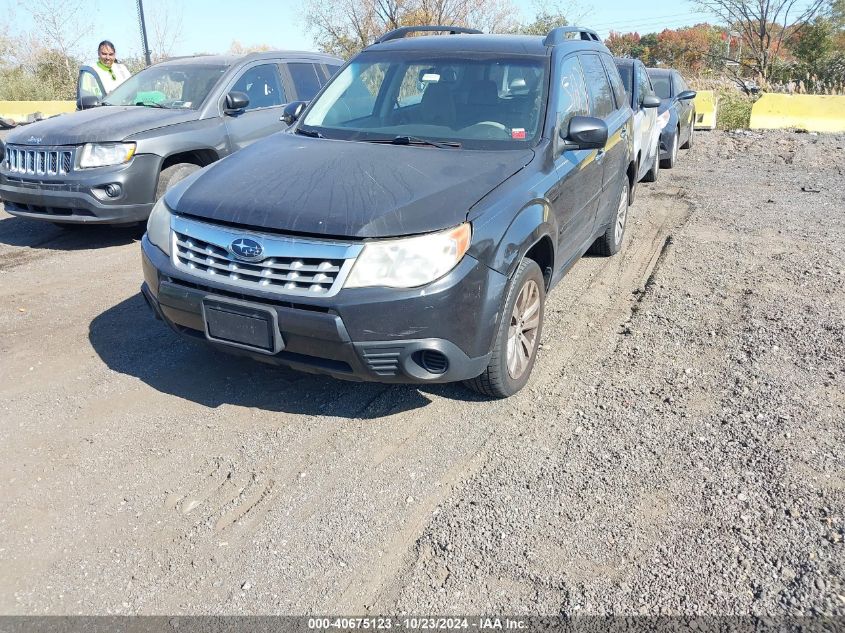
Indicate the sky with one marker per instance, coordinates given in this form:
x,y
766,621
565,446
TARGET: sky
x,y
212,25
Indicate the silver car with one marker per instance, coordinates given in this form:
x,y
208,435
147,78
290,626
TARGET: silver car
x,y
644,103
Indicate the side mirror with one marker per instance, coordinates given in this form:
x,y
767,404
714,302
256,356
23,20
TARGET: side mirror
x,y
236,102
686,95
88,101
585,132
292,112
650,101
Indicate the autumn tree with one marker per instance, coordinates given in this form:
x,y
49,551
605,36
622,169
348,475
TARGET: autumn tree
x,y
624,44
763,26
344,27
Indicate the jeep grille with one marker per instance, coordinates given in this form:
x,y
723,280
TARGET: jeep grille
x,y
43,161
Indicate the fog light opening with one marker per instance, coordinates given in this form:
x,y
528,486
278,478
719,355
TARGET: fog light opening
x,y
113,190
433,361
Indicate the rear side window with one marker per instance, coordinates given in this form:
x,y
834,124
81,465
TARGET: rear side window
x,y
261,84
601,93
572,93
306,81
619,92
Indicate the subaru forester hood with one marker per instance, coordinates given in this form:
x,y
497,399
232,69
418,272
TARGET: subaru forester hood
x,y
105,123
346,189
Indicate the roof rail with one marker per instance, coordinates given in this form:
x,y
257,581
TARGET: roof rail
x,y
398,34
564,33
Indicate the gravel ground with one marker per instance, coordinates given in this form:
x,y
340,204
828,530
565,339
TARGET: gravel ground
x,y
698,466
679,449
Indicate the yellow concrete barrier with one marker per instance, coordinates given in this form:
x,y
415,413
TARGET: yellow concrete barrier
x,y
706,105
19,110
814,113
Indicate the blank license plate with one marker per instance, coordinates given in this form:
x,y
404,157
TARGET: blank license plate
x,y
242,325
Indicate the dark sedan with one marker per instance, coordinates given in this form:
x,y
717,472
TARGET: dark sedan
x,y
676,114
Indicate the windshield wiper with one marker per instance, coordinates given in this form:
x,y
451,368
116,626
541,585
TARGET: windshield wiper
x,y
307,132
150,104
414,140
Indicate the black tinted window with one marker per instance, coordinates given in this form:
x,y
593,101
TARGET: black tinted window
x,y
261,85
305,80
662,86
601,94
626,71
572,93
643,84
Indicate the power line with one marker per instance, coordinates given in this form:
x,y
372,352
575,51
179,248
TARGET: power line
x,y
657,18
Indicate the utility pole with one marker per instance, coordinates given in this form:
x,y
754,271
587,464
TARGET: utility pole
x,y
144,32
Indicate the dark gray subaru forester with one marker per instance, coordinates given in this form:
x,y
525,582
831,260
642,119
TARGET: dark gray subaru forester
x,y
408,225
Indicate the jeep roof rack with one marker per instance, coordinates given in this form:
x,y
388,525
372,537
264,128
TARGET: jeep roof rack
x,y
398,34
564,33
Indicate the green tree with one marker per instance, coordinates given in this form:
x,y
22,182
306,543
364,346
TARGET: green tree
x,y
542,24
814,43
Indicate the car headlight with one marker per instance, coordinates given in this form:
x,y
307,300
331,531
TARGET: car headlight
x,y
663,120
104,154
158,226
411,261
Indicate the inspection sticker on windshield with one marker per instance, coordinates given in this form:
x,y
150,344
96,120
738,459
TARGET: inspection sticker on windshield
x,y
434,77
518,133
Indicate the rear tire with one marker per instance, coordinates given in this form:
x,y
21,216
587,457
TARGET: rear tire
x,y
518,335
652,174
173,174
611,242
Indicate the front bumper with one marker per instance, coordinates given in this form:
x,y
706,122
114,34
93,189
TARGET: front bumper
x,y
440,333
80,196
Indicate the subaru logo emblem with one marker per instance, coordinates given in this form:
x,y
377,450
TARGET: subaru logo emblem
x,y
246,248
35,140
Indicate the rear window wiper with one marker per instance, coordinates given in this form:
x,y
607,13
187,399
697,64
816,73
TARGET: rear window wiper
x,y
414,140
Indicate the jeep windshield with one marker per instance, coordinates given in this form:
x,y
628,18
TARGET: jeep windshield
x,y
475,102
167,86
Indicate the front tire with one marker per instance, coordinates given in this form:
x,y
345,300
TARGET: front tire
x,y
669,163
518,335
173,174
688,144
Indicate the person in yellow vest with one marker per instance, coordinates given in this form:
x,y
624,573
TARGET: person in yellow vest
x,y
111,73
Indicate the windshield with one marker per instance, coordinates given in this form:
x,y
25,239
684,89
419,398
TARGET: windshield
x,y
167,86
662,86
477,102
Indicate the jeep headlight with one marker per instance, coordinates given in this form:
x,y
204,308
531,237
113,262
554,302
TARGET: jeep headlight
x,y
104,154
158,226
411,261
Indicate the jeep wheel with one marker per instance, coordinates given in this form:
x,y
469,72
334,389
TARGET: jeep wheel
x,y
518,336
611,242
173,174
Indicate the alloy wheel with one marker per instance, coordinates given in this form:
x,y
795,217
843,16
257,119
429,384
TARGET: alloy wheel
x,y
524,326
621,215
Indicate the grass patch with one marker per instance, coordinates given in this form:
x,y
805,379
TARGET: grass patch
x,y
734,111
